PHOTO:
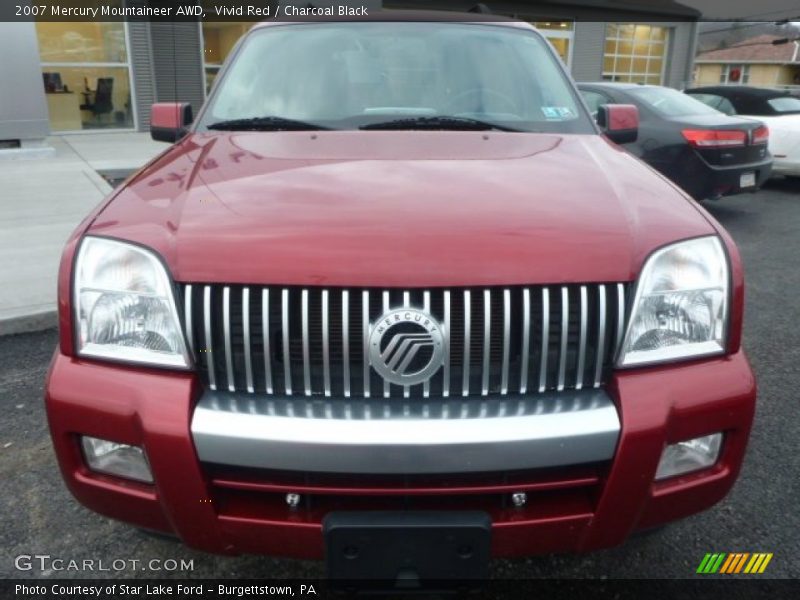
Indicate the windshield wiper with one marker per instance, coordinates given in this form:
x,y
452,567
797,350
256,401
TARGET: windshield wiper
x,y
265,124
441,122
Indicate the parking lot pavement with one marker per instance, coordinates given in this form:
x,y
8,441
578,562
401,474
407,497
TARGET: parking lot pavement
x,y
43,200
760,515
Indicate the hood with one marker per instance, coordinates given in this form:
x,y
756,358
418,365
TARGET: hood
x,y
399,209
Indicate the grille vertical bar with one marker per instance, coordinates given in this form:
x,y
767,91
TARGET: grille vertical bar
x,y
365,339
209,349
487,340
387,387
526,340
545,339
426,306
620,319
406,304
562,352
465,362
287,355
346,343
506,341
248,359
187,310
582,341
306,346
448,331
326,344
265,333
601,335
226,324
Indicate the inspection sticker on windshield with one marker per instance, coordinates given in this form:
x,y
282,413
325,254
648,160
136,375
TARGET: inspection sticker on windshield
x,y
558,113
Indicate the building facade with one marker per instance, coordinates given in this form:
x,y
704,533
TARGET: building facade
x,y
756,61
93,76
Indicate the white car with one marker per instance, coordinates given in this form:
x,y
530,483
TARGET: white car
x,y
778,110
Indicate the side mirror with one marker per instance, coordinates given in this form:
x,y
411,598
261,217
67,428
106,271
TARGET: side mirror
x,y
619,122
169,120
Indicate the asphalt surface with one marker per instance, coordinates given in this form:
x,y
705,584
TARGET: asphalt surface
x,y
760,515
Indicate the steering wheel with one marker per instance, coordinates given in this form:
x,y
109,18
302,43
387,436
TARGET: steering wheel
x,y
509,103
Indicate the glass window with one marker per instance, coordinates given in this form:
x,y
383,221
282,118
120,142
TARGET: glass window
x,y
718,102
735,74
594,100
345,75
561,46
218,40
671,103
558,33
635,53
787,104
86,75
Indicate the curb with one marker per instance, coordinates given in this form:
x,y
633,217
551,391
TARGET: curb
x,y
39,321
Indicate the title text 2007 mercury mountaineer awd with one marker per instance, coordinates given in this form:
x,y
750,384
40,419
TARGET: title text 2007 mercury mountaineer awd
x,y
394,284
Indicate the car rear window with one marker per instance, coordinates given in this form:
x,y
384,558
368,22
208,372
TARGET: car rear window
x,y
786,104
671,103
718,102
347,75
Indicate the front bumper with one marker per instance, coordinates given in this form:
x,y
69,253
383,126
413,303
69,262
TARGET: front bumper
x,y
450,436
570,508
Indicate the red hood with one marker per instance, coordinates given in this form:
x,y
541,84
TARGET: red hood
x,y
408,209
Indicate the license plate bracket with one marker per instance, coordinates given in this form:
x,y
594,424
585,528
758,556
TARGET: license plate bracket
x,y
407,549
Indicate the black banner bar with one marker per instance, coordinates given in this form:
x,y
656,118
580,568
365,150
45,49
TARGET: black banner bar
x,y
298,10
700,588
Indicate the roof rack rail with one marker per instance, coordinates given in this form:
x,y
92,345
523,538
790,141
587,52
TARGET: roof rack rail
x,y
481,8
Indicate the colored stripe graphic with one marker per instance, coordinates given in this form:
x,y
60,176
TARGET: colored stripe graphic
x,y
740,563
755,562
718,564
734,563
703,563
767,558
711,563
729,563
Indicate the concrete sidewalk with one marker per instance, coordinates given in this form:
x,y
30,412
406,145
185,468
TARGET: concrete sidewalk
x,y
41,201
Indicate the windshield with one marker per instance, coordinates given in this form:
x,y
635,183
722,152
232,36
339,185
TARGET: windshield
x,y
786,104
351,75
671,103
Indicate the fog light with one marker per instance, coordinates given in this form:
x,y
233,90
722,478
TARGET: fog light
x,y
121,460
691,455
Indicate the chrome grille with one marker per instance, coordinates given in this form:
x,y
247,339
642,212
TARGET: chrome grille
x,y
288,341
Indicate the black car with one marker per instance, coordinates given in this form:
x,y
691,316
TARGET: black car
x,y
705,152
778,110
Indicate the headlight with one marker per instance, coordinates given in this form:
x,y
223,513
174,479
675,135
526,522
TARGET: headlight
x,y
681,305
124,309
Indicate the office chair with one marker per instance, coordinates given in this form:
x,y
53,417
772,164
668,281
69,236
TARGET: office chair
x,y
102,104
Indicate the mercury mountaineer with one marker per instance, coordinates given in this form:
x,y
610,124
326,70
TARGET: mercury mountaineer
x,y
395,300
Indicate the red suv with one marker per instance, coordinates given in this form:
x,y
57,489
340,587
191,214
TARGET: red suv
x,y
393,284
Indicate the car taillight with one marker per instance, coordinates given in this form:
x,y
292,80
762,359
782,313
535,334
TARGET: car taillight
x,y
712,138
761,135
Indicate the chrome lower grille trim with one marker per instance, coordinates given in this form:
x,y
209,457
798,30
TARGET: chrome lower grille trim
x,y
314,342
381,437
